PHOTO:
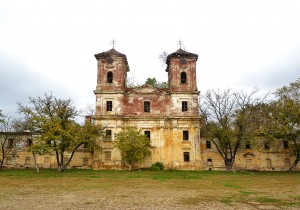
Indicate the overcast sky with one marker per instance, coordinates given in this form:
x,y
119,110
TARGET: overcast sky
x,y
49,45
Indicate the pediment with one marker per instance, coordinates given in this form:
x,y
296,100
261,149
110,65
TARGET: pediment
x,y
146,89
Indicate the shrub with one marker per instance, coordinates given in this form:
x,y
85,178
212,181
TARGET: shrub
x,y
158,166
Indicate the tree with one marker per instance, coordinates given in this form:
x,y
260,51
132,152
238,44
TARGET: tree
x,y
284,113
54,119
131,82
8,137
37,149
89,110
230,120
153,82
163,58
134,146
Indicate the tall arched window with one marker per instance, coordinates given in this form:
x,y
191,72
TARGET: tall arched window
x,y
109,77
183,77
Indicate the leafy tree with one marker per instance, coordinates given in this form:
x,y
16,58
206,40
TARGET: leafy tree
x,y
153,82
8,137
230,120
284,114
54,119
134,146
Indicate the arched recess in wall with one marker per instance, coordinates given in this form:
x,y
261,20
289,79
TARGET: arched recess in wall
x,y
183,77
109,77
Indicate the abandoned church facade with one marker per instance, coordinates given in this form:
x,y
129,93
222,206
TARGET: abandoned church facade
x,y
168,116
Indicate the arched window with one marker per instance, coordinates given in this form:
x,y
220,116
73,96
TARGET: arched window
x,y
109,77
183,77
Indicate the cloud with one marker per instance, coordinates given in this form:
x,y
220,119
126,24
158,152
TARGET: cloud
x,y
280,72
18,82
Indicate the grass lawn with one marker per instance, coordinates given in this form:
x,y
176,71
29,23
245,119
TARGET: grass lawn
x,y
88,189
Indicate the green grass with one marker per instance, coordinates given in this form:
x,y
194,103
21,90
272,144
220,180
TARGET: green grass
x,y
226,200
188,188
268,200
246,193
232,186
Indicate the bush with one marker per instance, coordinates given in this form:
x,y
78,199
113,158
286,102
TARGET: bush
x,y
158,166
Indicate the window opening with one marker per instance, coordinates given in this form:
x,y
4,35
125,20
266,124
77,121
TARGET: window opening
x,y
107,155
267,145
10,143
183,77
184,106
186,157
108,135
285,144
269,163
109,77
185,135
109,106
209,162
287,162
208,144
85,161
148,134
27,161
146,106
247,145
29,142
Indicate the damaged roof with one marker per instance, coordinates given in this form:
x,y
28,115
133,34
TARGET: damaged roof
x,y
110,53
180,53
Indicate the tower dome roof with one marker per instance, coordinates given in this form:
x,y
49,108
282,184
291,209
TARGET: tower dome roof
x,y
108,53
113,52
179,54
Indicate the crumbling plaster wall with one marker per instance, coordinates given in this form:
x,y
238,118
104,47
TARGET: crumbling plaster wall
x,y
166,140
257,158
176,68
118,68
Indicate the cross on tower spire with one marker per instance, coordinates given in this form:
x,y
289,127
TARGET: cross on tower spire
x,y
180,43
113,42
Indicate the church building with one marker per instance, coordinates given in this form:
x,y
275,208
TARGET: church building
x,y
168,116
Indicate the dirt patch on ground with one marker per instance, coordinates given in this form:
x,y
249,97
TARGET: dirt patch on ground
x,y
149,190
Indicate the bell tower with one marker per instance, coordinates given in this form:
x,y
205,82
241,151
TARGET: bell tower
x,y
181,68
112,71
111,82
